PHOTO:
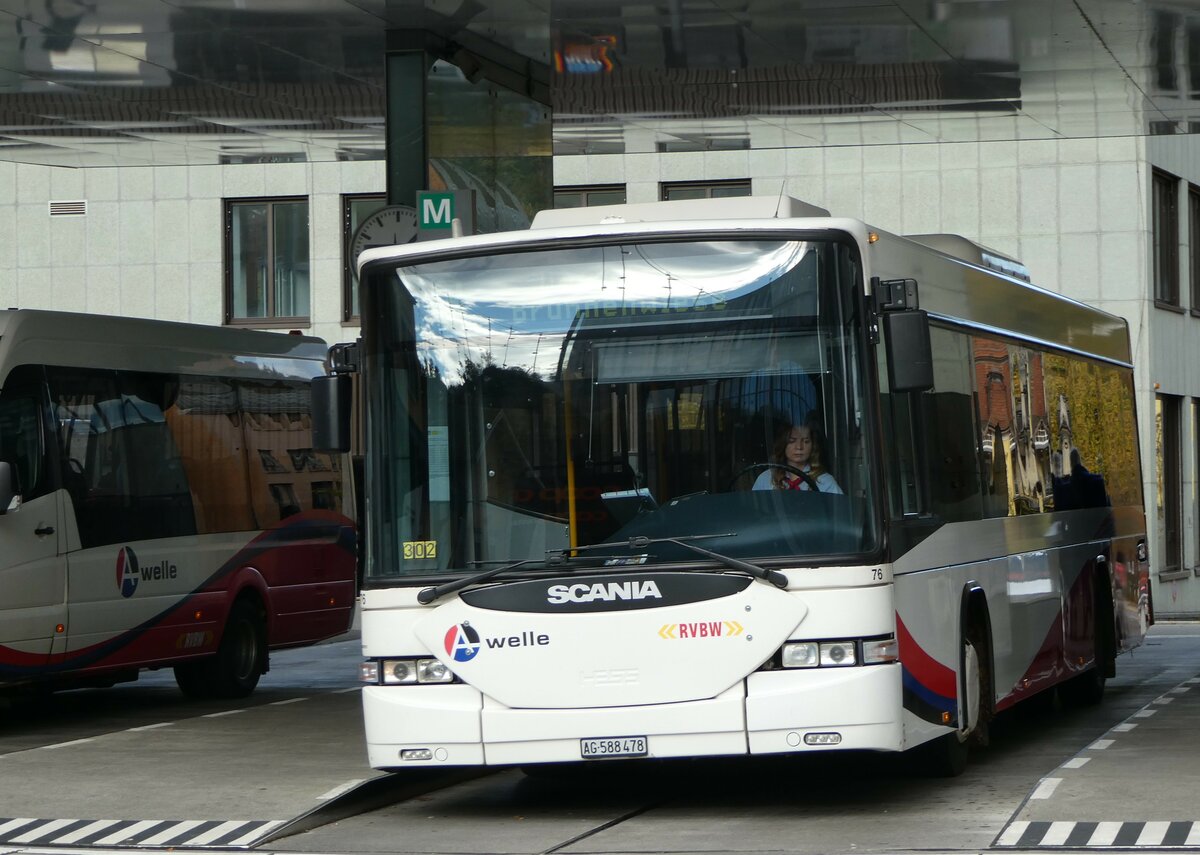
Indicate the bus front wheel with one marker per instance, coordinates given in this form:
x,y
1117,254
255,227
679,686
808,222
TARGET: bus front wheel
x,y
241,658
946,756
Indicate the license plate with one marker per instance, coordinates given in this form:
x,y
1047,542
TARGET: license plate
x,y
613,746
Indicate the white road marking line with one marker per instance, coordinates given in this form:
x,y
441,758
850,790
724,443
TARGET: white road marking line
x,y
1105,833
1143,713
15,823
65,744
1193,838
213,833
1163,700
1101,744
126,833
1076,762
288,701
1124,727
1179,690
150,727
80,833
1153,834
1045,788
261,831
340,790
219,714
174,831
42,830
1057,834
346,691
1013,833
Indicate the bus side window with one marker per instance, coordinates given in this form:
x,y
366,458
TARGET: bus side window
x,y
22,441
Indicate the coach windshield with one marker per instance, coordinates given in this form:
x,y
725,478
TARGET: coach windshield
x,y
551,399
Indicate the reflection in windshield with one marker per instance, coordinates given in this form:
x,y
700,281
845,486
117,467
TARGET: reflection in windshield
x,y
546,400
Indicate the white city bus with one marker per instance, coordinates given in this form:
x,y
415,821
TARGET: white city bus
x,y
161,504
590,536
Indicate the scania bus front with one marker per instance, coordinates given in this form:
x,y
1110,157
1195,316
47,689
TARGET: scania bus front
x,y
622,497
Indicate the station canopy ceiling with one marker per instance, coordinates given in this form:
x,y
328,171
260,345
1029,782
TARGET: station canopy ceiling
x,y
161,82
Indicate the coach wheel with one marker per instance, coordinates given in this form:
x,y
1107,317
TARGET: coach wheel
x,y
1087,689
946,756
192,680
233,671
757,467
242,656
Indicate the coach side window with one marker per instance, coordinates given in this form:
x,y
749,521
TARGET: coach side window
x,y
119,463
22,439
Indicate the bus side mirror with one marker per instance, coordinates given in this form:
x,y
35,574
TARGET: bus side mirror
x,y
6,487
909,352
331,400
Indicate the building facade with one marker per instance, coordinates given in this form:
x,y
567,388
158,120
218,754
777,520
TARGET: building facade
x,y
1114,222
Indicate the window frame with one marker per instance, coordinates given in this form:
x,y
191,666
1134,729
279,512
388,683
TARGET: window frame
x,y
270,320
1164,236
350,281
1194,246
665,188
585,190
1168,459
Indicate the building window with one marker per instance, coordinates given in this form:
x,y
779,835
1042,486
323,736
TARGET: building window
x,y
267,261
1194,244
1167,462
586,197
1166,239
355,209
704,190
1195,491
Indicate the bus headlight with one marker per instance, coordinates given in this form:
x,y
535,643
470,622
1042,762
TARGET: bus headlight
x,y
433,671
880,650
406,671
837,653
803,654
398,671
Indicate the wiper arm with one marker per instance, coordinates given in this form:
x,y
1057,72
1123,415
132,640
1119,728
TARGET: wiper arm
x,y
428,595
776,578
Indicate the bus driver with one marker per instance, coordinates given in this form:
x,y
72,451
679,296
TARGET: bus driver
x,y
798,448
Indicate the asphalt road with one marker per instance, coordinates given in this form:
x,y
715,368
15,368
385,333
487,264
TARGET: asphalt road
x,y
1118,775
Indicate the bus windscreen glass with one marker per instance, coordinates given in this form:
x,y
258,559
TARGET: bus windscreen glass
x,y
571,398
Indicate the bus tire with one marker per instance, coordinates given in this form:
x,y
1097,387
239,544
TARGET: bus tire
x,y
191,679
241,658
242,655
1087,689
946,756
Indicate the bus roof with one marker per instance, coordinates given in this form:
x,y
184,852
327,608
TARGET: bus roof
x,y
959,280
42,337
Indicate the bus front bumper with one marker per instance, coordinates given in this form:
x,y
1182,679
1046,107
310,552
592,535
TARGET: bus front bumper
x,y
770,712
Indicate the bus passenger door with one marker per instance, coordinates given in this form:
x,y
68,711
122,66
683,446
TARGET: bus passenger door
x,y
32,565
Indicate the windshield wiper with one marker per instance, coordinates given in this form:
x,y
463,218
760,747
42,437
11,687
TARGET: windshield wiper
x,y
428,595
554,558
776,578
557,557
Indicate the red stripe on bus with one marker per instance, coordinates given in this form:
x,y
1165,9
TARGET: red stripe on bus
x,y
930,673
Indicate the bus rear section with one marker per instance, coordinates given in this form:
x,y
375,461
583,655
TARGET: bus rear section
x,y
163,505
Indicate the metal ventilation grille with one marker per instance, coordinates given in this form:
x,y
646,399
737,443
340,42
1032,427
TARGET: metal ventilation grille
x,y
69,209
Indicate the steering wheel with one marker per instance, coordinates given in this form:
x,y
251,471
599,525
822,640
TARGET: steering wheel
x,y
755,467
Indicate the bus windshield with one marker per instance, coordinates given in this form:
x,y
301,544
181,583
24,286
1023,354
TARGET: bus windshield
x,y
541,400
